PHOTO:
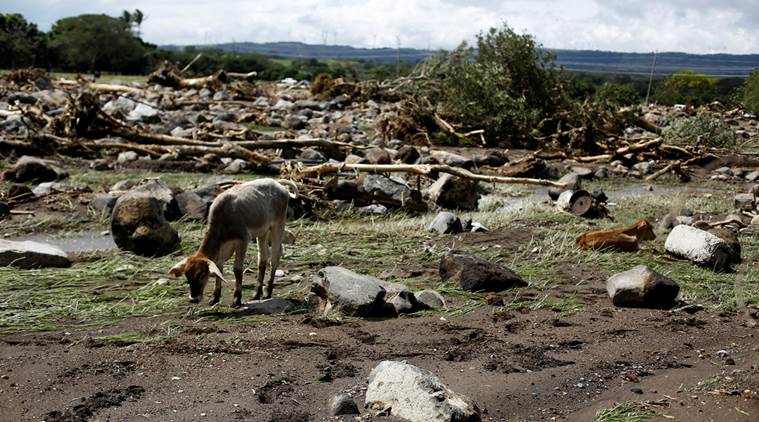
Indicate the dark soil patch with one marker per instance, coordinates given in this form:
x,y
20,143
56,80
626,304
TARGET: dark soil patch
x,y
91,405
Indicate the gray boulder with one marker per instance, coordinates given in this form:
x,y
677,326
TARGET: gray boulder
x,y
415,394
28,254
446,223
429,299
393,187
573,183
451,159
144,113
28,169
642,287
399,299
48,188
342,404
744,201
374,209
138,225
103,204
312,154
191,205
453,192
700,247
343,292
476,274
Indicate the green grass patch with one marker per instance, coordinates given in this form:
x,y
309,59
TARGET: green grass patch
x,y
628,411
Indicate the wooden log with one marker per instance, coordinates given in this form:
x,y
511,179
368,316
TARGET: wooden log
x,y
422,169
577,202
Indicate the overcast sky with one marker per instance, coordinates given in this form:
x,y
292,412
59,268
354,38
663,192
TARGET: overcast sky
x,y
695,26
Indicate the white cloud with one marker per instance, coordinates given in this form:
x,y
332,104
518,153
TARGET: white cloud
x,y
698,26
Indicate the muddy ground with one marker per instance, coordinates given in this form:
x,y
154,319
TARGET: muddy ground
x,y
564,355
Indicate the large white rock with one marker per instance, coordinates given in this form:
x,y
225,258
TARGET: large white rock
x,y
29,254
412,393
700,247
642,287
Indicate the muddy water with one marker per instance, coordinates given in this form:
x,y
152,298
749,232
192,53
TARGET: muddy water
x,y
85,242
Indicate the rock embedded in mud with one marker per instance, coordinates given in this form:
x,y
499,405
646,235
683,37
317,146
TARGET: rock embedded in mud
x,y
344,292
429,299
415,394
475,274
446,223
700,247
138,225
642,287
29,254
33,169
271,306
342,404
453,192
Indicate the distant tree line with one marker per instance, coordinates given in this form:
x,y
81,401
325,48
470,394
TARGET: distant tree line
x,y
100,43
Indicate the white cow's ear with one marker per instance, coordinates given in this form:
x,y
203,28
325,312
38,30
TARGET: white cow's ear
x,y
213,269
179,268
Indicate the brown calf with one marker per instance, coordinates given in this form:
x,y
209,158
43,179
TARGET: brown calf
x,y
625,239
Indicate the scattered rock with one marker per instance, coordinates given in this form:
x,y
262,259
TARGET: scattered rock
x,y
641,287
377,156
374,209
33,169
573,183
446,223
344,292
493,159
274,305
48,188
451,159
191,205
700,247
312,154
144,113
127,156
399,299
474,274
646,167
753,176
408,154
744,201
28,254
453,192
393,187
238,165
412,393
342,404
429,299
138,225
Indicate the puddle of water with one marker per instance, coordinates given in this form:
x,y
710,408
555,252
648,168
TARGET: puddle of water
x,y
85,242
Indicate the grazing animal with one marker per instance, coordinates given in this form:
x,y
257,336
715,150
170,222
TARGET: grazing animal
x,y
626,239
256,209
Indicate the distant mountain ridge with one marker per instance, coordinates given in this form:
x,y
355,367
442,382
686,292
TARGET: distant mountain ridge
x,y
724,65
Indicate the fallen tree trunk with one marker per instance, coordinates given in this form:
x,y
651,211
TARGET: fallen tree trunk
x,y
101,88
422,169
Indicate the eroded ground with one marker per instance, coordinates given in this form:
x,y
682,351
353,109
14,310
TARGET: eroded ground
x,y
102,341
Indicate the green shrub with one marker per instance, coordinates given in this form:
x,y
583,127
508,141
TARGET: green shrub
x,y
687,87
617,94
701,130
751,92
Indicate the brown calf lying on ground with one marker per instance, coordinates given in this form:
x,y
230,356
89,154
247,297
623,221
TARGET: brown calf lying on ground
x,y
625,239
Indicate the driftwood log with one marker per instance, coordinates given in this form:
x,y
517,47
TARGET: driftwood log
x,y
421,169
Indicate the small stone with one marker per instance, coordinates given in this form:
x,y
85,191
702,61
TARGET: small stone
x,y
641,287
374,209
342,404
163,282
126,156
446,223
429,299
744,201
636,390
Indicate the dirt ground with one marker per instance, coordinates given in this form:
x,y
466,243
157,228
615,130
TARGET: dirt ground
x,y
533,363
687,365
516,366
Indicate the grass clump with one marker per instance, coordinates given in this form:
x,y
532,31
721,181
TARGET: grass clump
x,y
627,411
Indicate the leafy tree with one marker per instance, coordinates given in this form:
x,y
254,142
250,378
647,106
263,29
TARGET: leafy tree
x,y
21,43
507,86
687,87
751,92
617,94
97,42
